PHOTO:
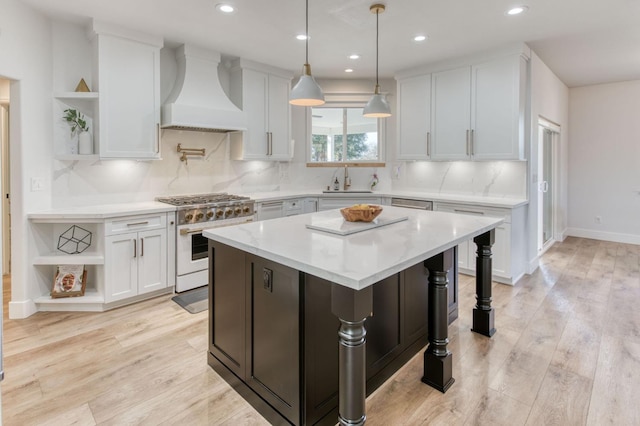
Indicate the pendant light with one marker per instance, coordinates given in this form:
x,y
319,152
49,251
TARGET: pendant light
x,y
306,92
377,107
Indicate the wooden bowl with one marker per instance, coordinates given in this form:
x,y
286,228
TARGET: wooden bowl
x,y
361,212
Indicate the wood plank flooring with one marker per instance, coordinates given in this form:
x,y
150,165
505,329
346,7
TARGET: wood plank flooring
x,y
567,352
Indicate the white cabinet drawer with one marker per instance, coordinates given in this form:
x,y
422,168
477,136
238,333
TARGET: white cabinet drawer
x,y
474,210
136,223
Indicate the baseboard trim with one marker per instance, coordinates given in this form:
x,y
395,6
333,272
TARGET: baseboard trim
x,y
604,236
22,309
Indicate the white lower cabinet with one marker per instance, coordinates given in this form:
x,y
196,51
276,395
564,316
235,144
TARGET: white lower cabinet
x,y
127,259
135,256
135,264
270,209
501,249
329,203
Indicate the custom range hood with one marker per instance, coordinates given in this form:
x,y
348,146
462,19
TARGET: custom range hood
x,y
197,101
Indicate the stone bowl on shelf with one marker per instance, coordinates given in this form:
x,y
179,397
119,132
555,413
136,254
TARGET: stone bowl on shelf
x,y
361,212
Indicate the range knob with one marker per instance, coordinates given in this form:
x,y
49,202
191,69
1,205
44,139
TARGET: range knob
x,y
209,214
199,216
228,212
237,210
246,209
188,217
219,213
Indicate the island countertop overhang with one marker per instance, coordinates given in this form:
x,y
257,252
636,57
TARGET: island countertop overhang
x,y
358,260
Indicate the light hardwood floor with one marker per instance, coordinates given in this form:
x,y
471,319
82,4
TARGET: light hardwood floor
x,y
567,352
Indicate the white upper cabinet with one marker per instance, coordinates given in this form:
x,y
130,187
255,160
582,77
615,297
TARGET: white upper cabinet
x,y
451,114
263,94
498,103
414,118
474,112
128,72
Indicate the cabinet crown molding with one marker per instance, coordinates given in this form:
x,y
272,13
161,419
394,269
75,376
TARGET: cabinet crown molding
x,y
475,58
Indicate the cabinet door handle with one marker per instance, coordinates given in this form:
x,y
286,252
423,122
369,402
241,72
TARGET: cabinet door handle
x,y
135,248
141,247
467,141
146,222
468,211
428,144
269,143
472,142
158,138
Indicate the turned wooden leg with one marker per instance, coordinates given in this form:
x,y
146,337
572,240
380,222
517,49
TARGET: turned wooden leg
x,y
483,313
438,369
352,309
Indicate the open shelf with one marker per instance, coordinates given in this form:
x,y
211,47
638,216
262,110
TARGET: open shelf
x,y
92,301
75,157
58,258
75,95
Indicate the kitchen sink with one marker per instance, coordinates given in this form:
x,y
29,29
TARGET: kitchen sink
x,y
355,191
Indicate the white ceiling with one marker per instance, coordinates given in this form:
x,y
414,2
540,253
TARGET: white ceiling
x,y
583,41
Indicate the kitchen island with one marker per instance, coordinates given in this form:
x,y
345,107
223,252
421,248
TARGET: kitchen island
x,y
276,286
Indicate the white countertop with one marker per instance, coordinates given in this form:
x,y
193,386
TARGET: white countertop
x,y
502,202
357,260
103,211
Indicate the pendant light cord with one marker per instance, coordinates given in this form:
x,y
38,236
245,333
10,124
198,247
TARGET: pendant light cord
x,y
306,33
377,25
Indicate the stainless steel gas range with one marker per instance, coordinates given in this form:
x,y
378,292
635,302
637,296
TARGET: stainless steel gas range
x,y
196,213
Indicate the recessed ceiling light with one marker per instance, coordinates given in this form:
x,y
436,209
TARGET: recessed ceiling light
x,y
354,56
420,38
225,8
302,37
517,10
348,70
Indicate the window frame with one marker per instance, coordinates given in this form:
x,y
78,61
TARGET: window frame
x,y
346,100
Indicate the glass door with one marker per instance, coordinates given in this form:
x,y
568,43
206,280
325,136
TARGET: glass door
x,y
548,140
547,186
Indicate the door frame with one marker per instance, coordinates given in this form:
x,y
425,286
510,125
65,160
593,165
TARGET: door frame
x,y
556,129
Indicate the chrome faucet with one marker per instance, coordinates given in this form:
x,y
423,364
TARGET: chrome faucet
x,y
347,179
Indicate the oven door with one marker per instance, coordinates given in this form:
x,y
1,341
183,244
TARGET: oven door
x,y
192,249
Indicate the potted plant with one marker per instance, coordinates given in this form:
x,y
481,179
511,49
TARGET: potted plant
x,y
79,125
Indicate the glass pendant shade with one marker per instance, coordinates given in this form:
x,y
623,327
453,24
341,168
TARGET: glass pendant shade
x,y
306,92
377,107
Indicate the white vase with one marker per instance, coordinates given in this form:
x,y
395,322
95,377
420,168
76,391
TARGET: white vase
x,y
85,144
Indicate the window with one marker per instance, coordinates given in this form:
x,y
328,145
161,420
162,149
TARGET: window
x,y
344,135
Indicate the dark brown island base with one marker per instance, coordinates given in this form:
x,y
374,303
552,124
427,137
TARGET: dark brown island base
x,y
306,350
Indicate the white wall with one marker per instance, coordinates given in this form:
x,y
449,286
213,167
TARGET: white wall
x,y
549,100
604,164
25,58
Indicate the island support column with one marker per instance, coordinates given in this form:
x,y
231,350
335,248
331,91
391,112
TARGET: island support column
x,y
352,307
438,369
483,313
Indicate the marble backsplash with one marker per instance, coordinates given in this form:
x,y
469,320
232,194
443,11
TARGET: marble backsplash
x,y
95,182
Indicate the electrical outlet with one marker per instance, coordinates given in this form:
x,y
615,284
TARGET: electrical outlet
x,y
37,184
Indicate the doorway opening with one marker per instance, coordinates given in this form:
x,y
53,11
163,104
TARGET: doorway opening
x,y
548,149
5,208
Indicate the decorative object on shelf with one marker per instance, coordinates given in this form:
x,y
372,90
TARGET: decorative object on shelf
x,y
374,181
74,240
69,281
189,151
361,212
79,125
85,143
377,107
306,92
82,86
